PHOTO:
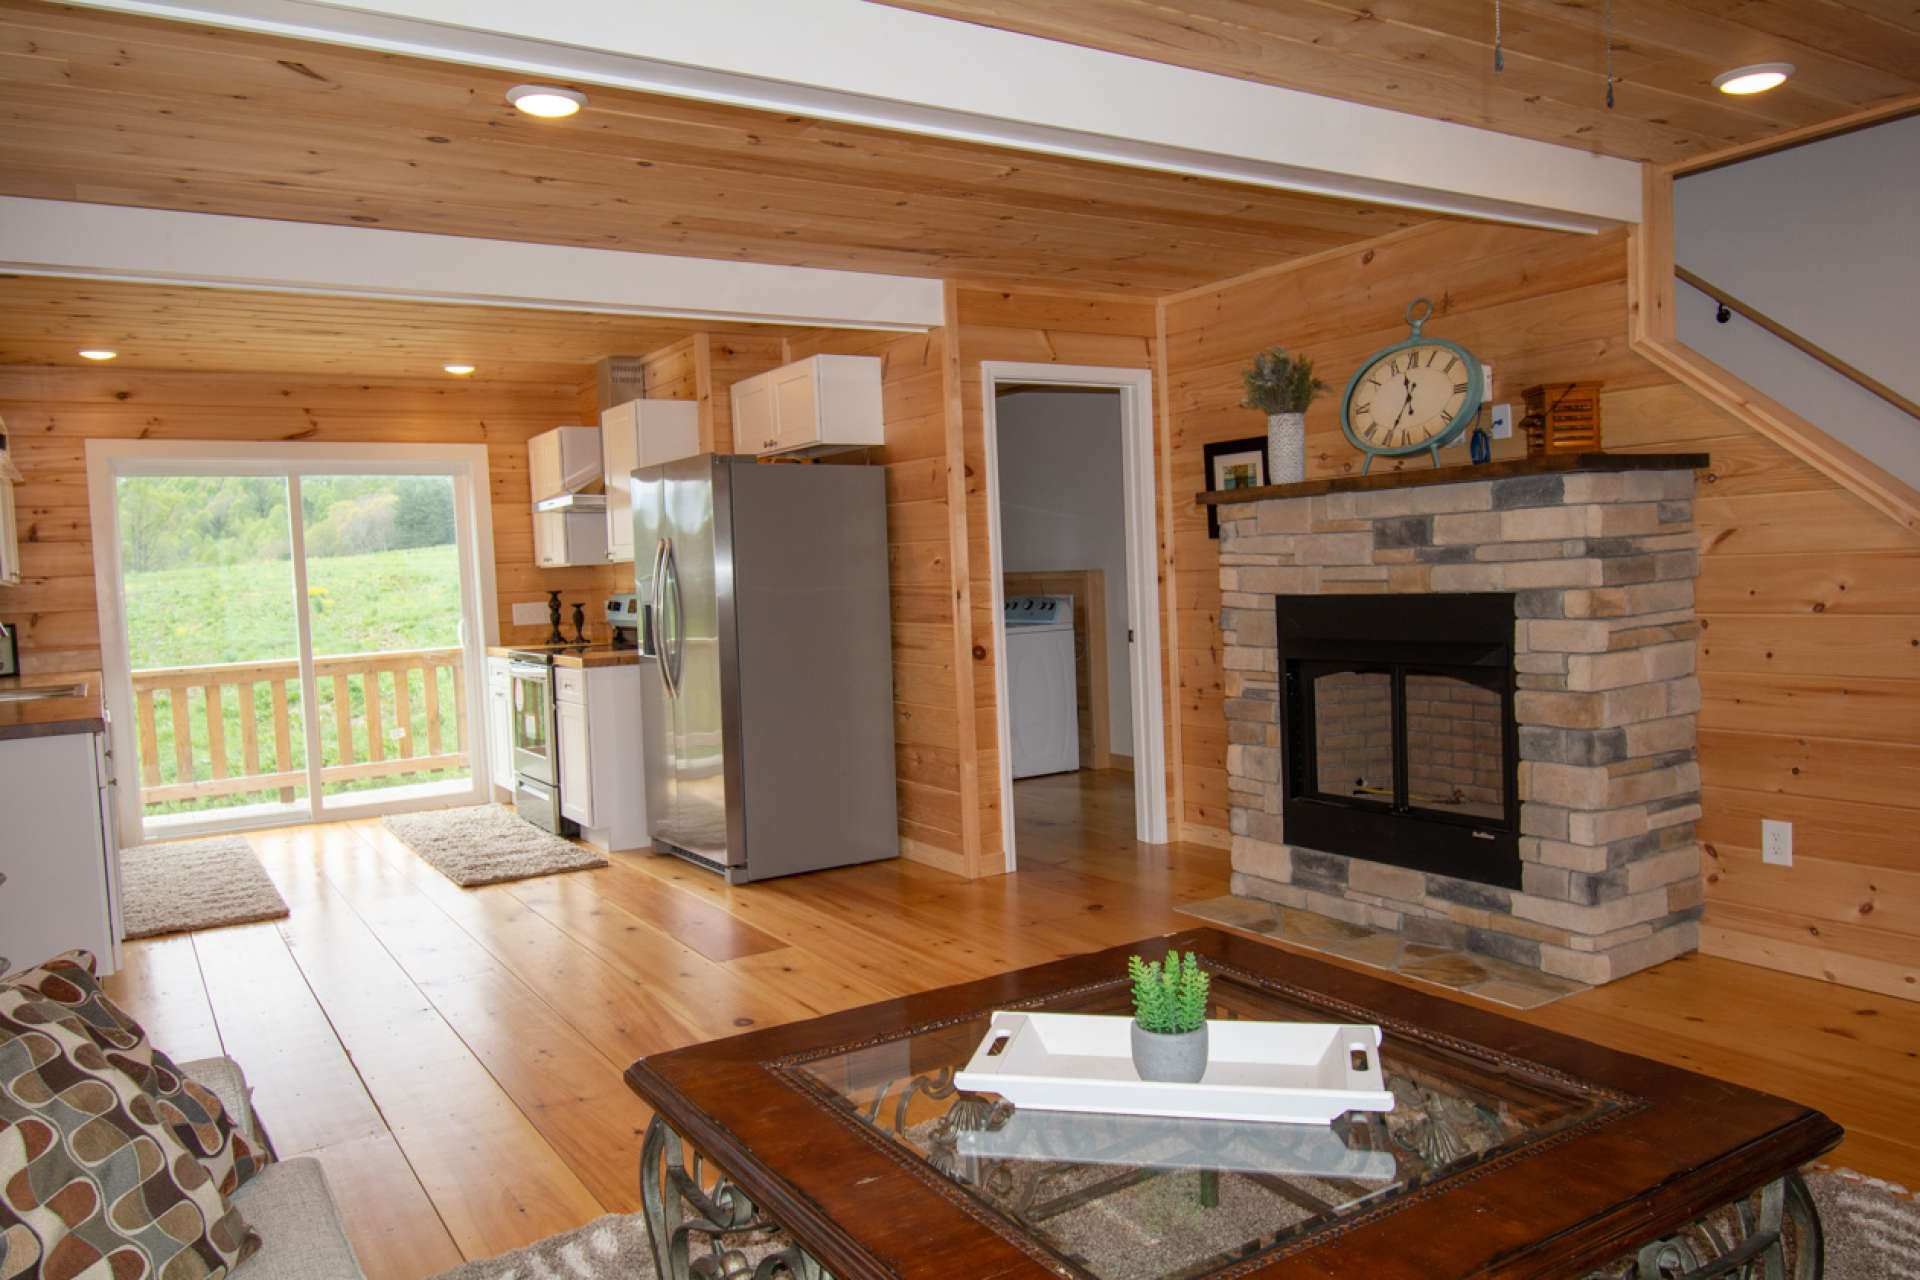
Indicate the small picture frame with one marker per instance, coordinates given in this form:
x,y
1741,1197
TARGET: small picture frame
x,y
1234,464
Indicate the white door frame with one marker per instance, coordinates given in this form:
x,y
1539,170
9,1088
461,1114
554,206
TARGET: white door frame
x,y
466,464
1143,580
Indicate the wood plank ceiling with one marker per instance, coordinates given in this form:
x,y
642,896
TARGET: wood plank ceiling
x,y
46,321
121,110
1435,58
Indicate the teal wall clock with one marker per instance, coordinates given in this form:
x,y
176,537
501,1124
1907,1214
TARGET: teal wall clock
x,y
1412,396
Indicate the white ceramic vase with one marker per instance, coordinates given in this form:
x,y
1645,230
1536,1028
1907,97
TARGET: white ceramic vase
x,y
1286,448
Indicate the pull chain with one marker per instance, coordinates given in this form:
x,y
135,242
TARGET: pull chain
x,y
1499,59
1607,36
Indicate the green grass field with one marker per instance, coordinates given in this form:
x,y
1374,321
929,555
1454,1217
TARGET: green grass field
x,y
404,599
244,612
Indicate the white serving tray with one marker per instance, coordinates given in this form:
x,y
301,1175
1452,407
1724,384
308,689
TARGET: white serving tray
x,y
1156,1142
1270,1072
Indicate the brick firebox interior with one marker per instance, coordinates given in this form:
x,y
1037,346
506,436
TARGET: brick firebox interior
x,y
1601,566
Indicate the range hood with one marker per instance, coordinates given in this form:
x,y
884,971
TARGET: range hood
x,y
573,502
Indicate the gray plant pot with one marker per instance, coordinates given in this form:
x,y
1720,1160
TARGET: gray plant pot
x,y
1171,1057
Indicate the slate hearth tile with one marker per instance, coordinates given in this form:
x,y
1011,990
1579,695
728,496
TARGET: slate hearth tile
x,y
1313,929
1237,913
1449,969
1515,994
1382,950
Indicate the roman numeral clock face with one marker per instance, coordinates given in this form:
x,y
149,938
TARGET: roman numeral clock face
x,y
1408,398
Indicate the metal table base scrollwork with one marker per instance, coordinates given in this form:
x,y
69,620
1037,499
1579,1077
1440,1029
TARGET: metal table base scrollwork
x,y
682,1202
703,1226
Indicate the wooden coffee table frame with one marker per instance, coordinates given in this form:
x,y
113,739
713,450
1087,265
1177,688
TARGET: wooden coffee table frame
x,y
1672,1149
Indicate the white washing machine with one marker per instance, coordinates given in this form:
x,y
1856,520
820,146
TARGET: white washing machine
x,y
1043,706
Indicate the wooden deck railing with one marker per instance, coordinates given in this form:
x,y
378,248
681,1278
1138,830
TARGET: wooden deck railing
x,y
380,714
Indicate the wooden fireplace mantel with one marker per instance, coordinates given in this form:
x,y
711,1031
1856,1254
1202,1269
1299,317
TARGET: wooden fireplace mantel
x,y
1413,477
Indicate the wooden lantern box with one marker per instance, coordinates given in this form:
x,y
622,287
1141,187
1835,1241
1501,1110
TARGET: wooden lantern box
x,y
1563,417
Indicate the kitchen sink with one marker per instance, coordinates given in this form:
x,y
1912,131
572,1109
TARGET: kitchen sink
x,y
44,692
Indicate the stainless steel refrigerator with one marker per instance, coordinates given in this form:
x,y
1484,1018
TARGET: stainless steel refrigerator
x,y
768,725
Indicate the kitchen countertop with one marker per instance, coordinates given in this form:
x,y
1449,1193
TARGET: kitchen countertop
x,y
573,656
45,717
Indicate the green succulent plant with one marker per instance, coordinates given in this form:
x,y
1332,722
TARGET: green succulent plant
x,y
1169,996
1277,383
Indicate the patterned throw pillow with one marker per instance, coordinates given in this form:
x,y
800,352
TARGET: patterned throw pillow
x,y
93,1175
194,1111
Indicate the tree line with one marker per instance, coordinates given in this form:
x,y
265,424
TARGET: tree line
x,y
169,522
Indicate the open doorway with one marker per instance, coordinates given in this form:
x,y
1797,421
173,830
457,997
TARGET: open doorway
x,y
1070,486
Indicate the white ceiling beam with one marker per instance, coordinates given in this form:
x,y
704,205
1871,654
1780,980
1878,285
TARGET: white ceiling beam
x,y
866,64
108,242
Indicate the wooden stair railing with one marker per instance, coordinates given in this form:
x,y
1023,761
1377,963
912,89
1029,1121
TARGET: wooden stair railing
x,y
1852,373
1650,334
399,729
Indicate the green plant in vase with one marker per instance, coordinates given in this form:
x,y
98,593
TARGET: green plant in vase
x,y
1282,386
1169,1017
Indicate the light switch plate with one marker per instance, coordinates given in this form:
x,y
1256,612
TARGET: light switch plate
x,y
1502,422
1776,842
529,615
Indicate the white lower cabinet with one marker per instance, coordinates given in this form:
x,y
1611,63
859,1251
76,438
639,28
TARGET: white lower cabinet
x,y
576,769
60,856
602,781
499,724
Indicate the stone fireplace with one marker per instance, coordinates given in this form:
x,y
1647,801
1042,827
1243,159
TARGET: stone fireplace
x,y
1461,706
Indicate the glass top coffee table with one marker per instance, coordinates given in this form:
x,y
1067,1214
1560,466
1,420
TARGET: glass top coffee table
x,y
1510,1150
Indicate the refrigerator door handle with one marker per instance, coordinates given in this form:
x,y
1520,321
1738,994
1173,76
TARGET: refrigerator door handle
x,y
672,661
654,600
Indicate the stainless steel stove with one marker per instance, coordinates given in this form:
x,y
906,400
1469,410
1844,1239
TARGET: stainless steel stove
x,y
536,748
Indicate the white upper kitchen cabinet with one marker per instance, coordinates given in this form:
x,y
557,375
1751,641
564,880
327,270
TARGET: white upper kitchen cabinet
x,y
640,433
815,406
569,537
562,461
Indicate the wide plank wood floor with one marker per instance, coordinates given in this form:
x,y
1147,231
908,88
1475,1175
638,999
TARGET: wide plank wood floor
x,y
453,1056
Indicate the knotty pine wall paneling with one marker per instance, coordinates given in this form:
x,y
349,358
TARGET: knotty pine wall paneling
x,y
932,673
51,413
1039,328
1810,657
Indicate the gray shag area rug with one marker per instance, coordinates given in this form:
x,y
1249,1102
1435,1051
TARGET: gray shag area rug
x,y
1872,1227
613,1246
485,844
1872,1232
194,884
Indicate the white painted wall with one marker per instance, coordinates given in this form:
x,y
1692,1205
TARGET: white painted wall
x,y
1063,506
1821,238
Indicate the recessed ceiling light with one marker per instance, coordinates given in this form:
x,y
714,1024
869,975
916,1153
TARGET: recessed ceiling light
x,y
1758,78
546,101
458,370
98,353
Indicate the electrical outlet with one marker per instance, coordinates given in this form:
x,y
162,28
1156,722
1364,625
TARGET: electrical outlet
x,y
1776,842
1502,422
529,615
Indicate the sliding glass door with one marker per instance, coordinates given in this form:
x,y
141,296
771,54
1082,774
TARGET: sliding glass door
x,y
384,610
299,630
213,647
